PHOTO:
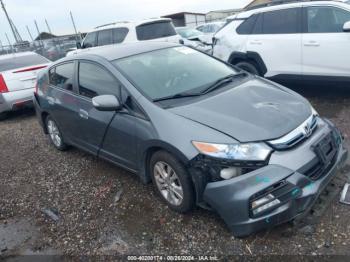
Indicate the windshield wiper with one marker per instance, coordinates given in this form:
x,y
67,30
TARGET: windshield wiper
x,y
176,96
222,81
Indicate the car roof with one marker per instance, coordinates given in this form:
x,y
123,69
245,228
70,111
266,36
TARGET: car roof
x,y
117,51
17,55
130,24
280,5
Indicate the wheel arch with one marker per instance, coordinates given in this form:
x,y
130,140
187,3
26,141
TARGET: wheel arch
x,y
150,149
249,56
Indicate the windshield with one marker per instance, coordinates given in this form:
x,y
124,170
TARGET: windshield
x,y
155,30
171,71
188,33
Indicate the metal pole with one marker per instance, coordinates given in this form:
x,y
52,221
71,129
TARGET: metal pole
x,y
37,29
77,38
30,34
9,20
8,40
54,40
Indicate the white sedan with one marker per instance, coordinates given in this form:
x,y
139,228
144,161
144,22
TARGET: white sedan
x,y
18,74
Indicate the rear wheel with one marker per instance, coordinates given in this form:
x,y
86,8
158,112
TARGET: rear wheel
x,y
249,67
55,134
172,182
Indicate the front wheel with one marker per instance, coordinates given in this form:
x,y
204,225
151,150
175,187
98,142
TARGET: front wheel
x,y
172,182
55,134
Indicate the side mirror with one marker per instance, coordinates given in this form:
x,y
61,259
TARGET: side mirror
x,y
346,27
78,45
181,41
106,103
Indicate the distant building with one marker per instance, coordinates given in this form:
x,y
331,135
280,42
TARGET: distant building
x,y
218,15
257,2
187,19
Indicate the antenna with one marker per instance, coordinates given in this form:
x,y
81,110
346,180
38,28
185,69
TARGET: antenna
x,y
77,38
14,30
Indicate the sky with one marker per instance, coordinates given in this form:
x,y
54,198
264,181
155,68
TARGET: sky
x,y
89,14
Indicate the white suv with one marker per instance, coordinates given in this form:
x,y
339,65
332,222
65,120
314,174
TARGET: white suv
x,y
290,41
161,29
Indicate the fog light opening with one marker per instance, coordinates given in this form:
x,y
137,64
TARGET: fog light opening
x,y
264,203
231,172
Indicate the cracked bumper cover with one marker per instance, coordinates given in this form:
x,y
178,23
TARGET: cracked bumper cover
x,y
232,198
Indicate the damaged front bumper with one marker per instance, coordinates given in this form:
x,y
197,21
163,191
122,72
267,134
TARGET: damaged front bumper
x,y
294,190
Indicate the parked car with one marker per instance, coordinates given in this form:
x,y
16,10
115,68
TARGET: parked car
x,y
18,73
194,38
59,50
203,131
161,29
294,41
210,28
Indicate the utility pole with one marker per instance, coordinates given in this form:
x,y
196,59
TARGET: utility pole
x,y
54,40
14,30
77,38
37,29
8,40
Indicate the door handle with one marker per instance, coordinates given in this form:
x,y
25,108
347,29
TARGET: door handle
x,y
83,114
255,42
312,43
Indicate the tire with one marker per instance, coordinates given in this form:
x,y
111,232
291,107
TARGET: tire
x,y
55,134
3,116
172,182
249,67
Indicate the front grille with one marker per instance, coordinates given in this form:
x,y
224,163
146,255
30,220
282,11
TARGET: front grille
x,y
325,160
301,133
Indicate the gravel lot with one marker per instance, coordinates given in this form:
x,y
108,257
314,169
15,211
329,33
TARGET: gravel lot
x,y
81,190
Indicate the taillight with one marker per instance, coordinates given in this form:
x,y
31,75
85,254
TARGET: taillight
x,y
29,69
3,86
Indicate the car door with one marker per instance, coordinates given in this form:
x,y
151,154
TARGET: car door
x,y
62,99
108,134
325,45
276,37
92,80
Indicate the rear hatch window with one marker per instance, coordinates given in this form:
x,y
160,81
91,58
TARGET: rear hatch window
x,y
12,63
155,30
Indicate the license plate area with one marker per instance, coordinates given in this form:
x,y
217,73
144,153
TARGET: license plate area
x,y
326,149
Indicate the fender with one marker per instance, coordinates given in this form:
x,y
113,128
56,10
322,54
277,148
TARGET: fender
x,y
236,57
148,149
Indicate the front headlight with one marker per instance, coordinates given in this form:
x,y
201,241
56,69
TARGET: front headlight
x,y
239,152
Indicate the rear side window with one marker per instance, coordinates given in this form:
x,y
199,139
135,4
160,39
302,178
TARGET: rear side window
x,y
13,62
104,37
286,21
324,19
62,76
94,80
155,30
90,40
247,26
119,34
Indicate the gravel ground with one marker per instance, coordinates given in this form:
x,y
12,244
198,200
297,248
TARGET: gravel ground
x,y
82,194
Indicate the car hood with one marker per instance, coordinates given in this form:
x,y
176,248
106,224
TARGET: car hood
x,y
254,111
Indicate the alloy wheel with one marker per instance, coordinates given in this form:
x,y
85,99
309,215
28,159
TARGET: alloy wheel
x,y
168,183
54,133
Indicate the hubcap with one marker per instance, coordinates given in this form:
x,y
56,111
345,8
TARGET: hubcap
x,y
168,183
54,133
